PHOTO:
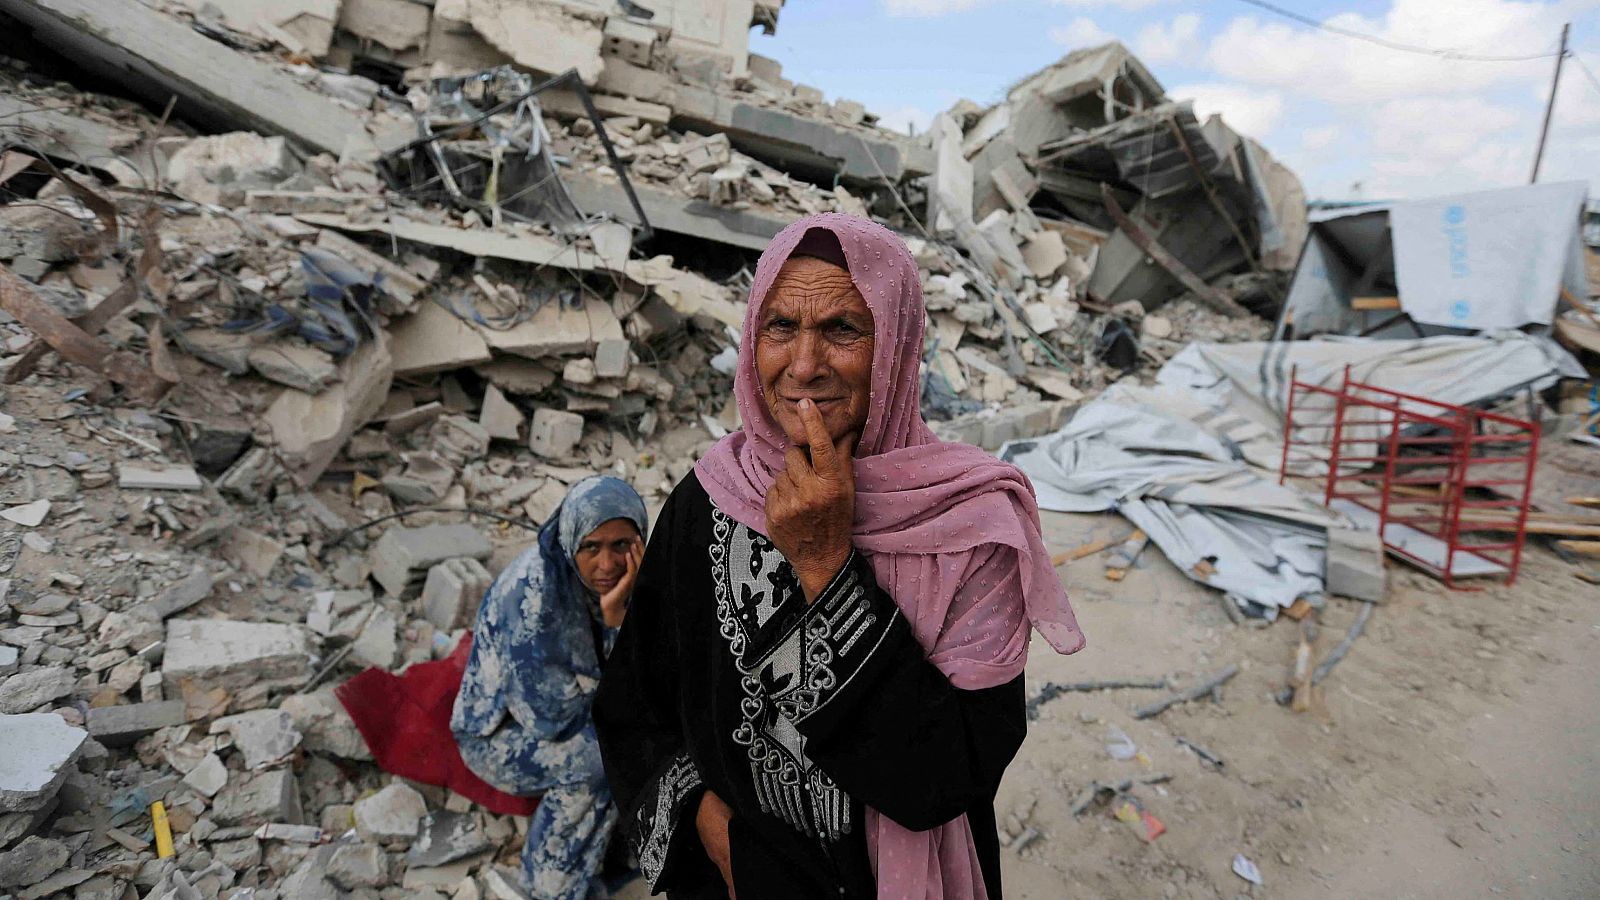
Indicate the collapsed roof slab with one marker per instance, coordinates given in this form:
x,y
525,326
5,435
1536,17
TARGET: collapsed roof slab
x,y
157,56
677,214
808,147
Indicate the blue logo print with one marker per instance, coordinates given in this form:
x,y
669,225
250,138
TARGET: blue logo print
x,y
1460,310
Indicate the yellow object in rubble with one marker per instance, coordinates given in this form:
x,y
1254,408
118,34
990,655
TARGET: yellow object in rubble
x,y
158,820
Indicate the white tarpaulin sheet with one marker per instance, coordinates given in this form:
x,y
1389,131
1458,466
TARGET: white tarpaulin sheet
x,y
1132,450
1490,259
1243,387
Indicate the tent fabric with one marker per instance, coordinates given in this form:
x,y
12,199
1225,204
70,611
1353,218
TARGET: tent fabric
x,y
1186,487
1478,261
1242,388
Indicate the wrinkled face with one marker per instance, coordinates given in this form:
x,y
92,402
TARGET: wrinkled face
x,y
602,556
814,341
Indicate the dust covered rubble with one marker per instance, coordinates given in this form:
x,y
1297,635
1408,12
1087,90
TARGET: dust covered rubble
x,y
369,394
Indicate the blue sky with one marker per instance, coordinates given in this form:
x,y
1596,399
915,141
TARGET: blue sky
x,y
1352,119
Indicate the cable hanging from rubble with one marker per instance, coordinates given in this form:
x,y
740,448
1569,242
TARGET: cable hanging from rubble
x,y
1397,45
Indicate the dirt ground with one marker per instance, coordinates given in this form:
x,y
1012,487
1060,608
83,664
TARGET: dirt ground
x,y
1452,754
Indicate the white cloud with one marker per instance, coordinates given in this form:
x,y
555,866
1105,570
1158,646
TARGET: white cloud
x,y
1322,136
1409,124
1160,43
928,8
1129,5
906,118
1249,111
1080,32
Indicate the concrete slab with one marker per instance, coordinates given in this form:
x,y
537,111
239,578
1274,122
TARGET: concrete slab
x,y
229,654
40,750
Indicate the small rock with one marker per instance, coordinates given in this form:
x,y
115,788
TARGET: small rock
x,y
391,814
27,691
209,776
358,865
31,861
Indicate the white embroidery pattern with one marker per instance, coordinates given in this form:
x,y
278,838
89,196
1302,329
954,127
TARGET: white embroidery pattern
x,y
779,688
656,825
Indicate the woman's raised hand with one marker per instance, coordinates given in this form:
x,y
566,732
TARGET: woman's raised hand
x,y
811,506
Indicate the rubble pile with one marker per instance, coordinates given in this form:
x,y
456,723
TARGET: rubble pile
x,y
292,367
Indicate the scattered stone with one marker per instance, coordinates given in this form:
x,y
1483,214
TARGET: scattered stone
x,y
209,776
325,725
555,433
290,834
270,796
377,645
1355,565
446,837
164,478
181,595
402,550
40,750
358,865
28,515
31,861
391,814
27,691
228,654
452,592
296,365
262,736
116,726
499,417
612,358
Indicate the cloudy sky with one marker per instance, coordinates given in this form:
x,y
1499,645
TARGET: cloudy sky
x,y
1353,119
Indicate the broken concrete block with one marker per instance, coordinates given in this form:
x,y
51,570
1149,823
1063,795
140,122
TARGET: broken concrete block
x,y
391,814
299,366
579,371
396,280
552,331
252,551
28,515
1355,565
706,154
377,645
632,41
445,837
270,796
358,865
554,433
27,691
499,417
116,726
158,478
308,22
262,736
542,37
179,595
396,24
35,231
847,112
326,726
40,750
228,654
31,861
402,550
310,429
612,357
433,339
219,168
1156,326
1045,253
209,776
451,594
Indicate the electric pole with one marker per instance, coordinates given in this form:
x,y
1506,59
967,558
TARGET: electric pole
x,y
1544,130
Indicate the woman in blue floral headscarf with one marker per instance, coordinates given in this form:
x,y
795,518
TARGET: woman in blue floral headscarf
x,y
522,718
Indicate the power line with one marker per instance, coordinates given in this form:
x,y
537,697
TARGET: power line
x,y
1396,45
1586,70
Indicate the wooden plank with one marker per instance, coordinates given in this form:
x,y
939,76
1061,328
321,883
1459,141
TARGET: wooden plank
x,y
1207,294
1591,502
1374,303
1088,549
1582,548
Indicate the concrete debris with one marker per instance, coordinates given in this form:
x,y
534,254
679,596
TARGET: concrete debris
x,y
445,837
166,478
391,815
209,776
31,862
263,737
41,750
452,591
401,551
30,689
229,654
270,796
1355,564
117,726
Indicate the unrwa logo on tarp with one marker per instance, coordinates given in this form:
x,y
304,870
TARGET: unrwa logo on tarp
x,y
1455,232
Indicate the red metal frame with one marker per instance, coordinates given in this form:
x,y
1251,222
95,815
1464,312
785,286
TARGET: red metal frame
x,y
1421,466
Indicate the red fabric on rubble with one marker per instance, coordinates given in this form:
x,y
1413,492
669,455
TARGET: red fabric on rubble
x,y
405,720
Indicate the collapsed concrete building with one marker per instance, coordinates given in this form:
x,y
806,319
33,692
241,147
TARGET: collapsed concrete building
x,y
277,275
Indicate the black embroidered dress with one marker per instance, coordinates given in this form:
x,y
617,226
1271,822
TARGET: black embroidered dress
x,y
724,679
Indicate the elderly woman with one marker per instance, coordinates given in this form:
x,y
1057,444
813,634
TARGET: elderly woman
x,y
522,718
819,684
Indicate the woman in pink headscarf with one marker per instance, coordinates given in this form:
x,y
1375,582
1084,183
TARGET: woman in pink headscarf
x,y
819,682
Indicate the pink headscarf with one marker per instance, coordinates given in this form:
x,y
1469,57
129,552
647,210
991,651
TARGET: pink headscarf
x,y
951,532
